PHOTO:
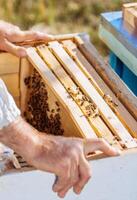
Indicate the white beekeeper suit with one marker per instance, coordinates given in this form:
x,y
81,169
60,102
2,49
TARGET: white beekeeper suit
x,y
8,109
8,113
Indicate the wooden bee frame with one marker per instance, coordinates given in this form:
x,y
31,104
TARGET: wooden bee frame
x,y
89,98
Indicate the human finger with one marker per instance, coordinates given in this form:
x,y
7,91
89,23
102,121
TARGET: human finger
x,y
84,174
11,48
33,35
63,177
91,145
74,178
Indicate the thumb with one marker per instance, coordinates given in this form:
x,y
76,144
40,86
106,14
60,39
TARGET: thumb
x,y
35,35
91,145
11,48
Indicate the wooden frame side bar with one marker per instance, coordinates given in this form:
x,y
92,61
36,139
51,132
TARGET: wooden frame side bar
x,y
109,117
57,88
121,91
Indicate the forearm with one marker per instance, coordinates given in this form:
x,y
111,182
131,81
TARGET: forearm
x,y
20,137
14,131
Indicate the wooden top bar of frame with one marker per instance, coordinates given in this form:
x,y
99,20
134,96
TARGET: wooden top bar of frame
x,y
126,118
97,124
109,117
119,88
60,91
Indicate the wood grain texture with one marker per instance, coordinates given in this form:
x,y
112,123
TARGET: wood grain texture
x,y
71,108
122,113
96,122
60,37
129,5
109,117
110,77
8,63
130,16
68,46
26,70
12,83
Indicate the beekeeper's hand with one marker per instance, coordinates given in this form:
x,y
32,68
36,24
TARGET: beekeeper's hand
x,y
9,34
65,157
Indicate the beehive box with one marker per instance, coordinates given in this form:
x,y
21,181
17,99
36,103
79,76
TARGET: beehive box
x,y
130,14
65,88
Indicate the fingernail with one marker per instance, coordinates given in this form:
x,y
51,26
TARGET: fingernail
x,y
61,195
77,191
118,152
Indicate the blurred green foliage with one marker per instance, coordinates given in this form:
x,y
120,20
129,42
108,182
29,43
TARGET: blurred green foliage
x,y
60,16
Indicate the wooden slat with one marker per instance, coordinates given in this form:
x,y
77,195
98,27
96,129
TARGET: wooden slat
x,y
129,5
12,83
68,45
130,16
109,76
50,79
110,118
27,70
61,37
8,63
122,113
97,124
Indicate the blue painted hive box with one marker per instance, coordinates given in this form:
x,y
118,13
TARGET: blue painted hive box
x,y
122,41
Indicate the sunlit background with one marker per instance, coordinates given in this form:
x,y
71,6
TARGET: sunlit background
x,y
60,16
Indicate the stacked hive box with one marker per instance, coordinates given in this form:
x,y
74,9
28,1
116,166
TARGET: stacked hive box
x,y
9,73
62,92
130,14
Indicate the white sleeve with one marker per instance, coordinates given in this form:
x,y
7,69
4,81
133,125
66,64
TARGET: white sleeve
x,y
8,109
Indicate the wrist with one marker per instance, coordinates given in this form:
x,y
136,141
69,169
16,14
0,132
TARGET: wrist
x,y
20,137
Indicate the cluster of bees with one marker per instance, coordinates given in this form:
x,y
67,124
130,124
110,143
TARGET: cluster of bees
x,y
87,105
38,113
44,119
